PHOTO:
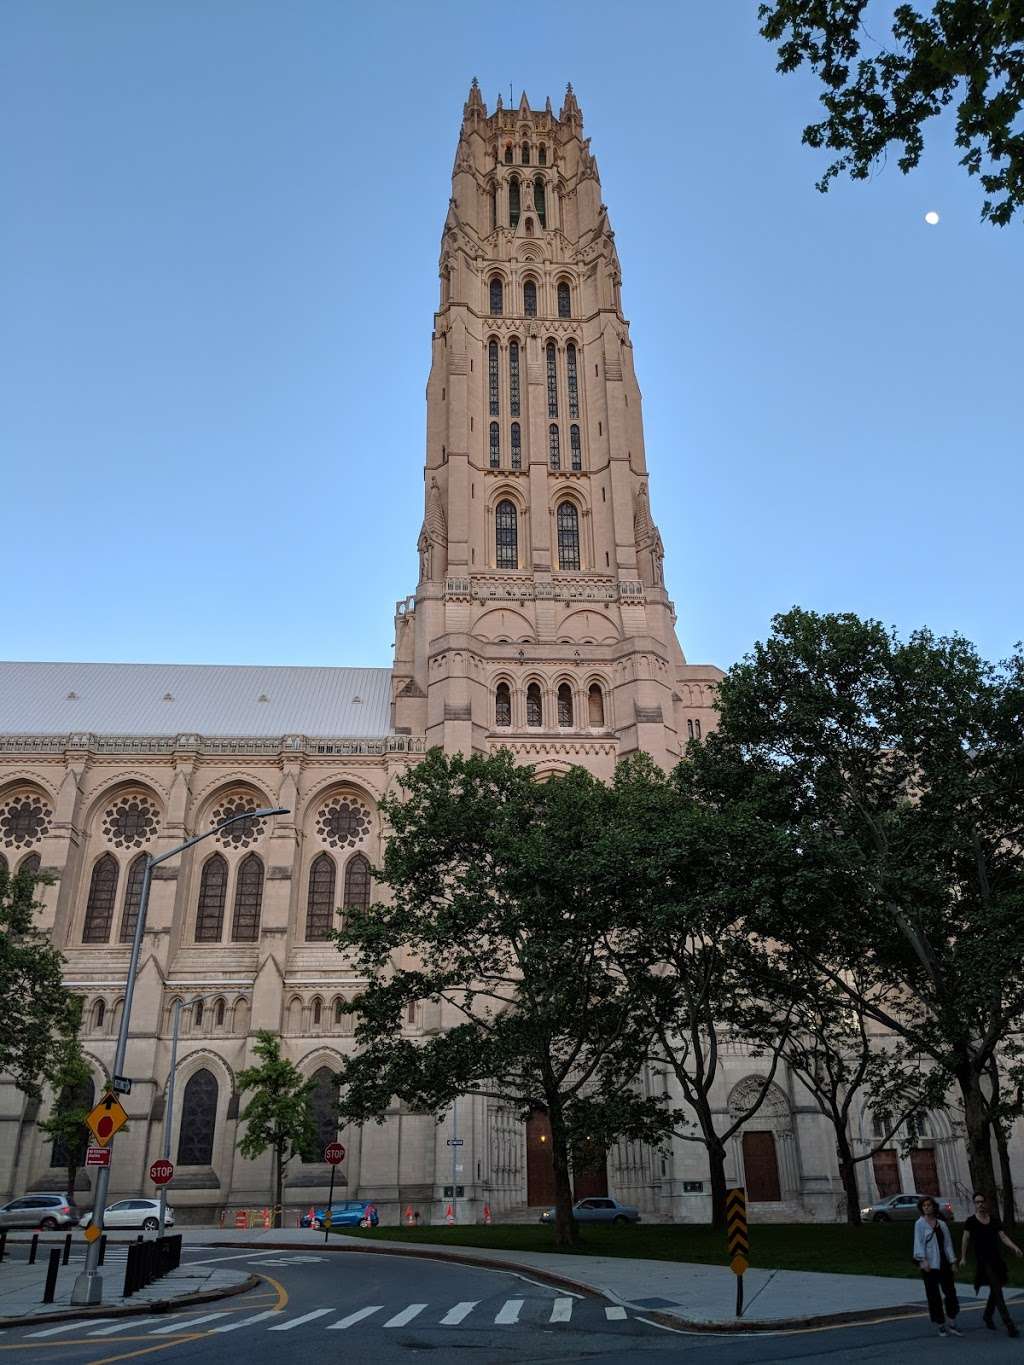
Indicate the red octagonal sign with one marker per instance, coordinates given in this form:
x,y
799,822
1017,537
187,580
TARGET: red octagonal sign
x,y
334,1153
161,1171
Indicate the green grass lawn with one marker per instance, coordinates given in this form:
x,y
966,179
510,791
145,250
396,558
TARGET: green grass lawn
x,y
875,1249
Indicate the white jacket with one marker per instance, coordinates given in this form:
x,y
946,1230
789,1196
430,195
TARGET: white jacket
x,y
926,1244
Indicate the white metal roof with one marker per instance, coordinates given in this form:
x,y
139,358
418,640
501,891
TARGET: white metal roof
x,y
204,699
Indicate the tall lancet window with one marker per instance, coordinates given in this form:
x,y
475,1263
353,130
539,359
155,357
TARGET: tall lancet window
x,y
517,447
513,378
492,377
554,447
552,380
538,200
496,297
530,299
513,201
574,388
495,446
506,535
502,705
534,706
568,536
542,155
508,154
564,300
565,706
574,447
526,153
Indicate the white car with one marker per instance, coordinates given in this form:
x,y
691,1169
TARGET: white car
x,y
133,1213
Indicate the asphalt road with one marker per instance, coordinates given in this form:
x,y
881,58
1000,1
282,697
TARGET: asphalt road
x,y
362,1308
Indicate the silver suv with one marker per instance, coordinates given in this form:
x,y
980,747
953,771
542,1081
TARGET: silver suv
x,y
904,1207
47,1211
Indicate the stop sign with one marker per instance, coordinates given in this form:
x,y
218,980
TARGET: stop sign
x,y
161,1171
334,1153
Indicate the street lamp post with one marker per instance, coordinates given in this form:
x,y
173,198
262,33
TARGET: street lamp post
x,y
88,1288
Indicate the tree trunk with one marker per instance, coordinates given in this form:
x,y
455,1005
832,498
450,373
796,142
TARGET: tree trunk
x,y
848,1175
716,1168
276,1212
1009,1210
979,1135
566,1231
72,1177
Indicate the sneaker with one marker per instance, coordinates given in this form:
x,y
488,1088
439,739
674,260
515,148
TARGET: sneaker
x,y
954,1329
942,1331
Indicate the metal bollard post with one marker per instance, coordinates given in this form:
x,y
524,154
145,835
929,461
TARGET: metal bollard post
x,y
103,1248
3,1243
67,1249
129,1273
33,1249
52,1271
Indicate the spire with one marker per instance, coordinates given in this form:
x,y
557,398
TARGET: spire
x,y
474,108
499,105
524,104
570,110
547,106
643,524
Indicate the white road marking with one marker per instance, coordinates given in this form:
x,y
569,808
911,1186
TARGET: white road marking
x,y
615,1314
561,1310
247,1322
137,1323
510,1312
185,1325
67,1327
406,1315
306,1317
456,1314
353,1318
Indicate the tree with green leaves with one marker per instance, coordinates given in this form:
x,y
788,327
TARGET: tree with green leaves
x,y
498,915
39,1013
888,772
880,92
279,1116
70,1079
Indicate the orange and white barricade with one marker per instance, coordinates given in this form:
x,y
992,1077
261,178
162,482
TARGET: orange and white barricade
x,y
487,1214
449,1215
242,1219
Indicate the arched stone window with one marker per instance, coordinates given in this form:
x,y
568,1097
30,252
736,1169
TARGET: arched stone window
x,y
513,378
99,1015
534,707
565,706
568,520
497,296
357,883
218,1017
574,388
324,1107
564,300
542,155
339,1012
492,377
506,535
318,1012
30,866
213,890
530,299
517,447
689,729
552,370
513,201
525,153
198,1120
696,727
320,905
502,705
81,1096
198,1011
245,919
575,448
132,898
495,446
508,154
554,447
595,705
538,200
99,908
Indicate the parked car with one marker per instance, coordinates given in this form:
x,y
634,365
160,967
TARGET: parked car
x,y
348,1214
47,1211
134,1213
596,1210
900,1207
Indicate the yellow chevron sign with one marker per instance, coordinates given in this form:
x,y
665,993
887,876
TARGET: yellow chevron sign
x,y
737,1236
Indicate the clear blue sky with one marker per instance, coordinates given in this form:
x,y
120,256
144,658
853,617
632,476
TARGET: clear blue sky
x,y
218,262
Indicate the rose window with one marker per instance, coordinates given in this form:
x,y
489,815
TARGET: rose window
x,y
343,822
243,832
131,822
24,820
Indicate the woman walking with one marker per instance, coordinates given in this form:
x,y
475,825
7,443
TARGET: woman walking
x,y
985,1231
934,1253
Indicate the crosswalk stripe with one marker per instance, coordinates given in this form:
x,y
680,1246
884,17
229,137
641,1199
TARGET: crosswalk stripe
x,y
67,1327
185,1325
306,1317
509,1312
561,1310
406,1315
354,1318
137,1323
247,1322
456,1314
615,1314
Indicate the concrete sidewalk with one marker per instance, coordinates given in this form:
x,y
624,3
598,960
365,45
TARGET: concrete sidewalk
x,y
21,1289
679,1293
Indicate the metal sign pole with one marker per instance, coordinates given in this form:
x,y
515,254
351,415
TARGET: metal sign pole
x,y
330,1206
738,1238
169,1110
455,1158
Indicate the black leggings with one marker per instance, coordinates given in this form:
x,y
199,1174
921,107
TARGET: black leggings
x,y
996,1304
940,1287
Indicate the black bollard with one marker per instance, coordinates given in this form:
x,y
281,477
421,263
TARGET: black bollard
x,y
103,1248
67,1249
52,1270
3,1243
33,1249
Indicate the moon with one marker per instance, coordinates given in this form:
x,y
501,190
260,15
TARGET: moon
x,y
931,217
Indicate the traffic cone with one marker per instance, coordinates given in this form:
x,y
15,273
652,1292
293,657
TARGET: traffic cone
x,y
410,1221
266,1219
487,1213
449,1216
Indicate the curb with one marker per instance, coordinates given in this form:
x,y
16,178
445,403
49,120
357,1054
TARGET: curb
x,y
128,1310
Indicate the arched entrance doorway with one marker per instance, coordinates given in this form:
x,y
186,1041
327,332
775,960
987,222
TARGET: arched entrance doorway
x,y
540,1171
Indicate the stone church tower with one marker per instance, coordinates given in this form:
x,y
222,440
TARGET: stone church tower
x,y
540,621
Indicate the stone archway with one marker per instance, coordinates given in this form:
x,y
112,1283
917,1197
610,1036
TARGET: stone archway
x,y
764,1149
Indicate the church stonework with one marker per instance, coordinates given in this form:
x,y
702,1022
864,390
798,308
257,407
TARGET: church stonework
x,y
540,623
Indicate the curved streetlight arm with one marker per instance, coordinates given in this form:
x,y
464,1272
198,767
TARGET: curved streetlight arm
x,y
242,815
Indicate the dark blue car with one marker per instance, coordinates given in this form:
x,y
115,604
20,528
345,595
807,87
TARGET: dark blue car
x,y
348,1214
